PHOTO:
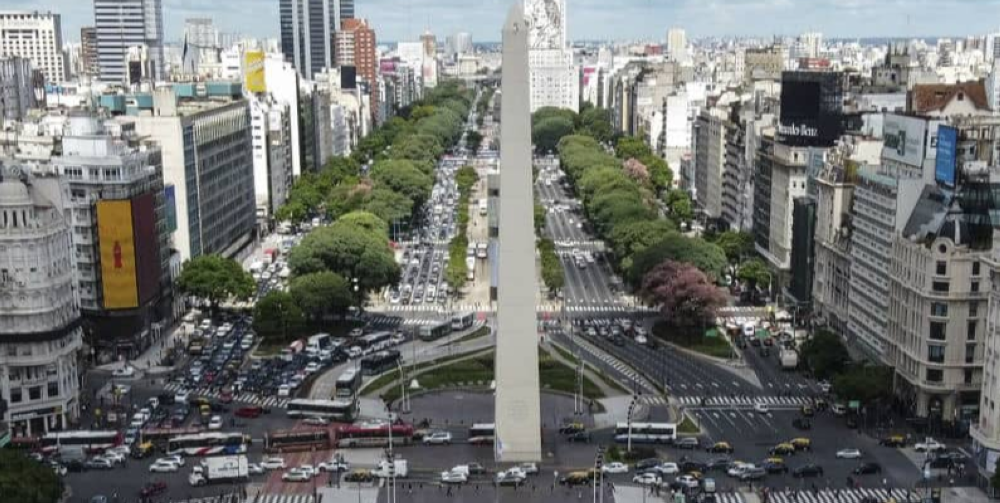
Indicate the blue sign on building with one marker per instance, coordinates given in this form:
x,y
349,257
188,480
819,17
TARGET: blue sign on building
x,y
947,153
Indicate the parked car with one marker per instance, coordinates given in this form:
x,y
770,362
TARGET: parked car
x,y
614,467
453,477
647,479
687,443
721,447
99,464
273,463
438,438
161,466
152,489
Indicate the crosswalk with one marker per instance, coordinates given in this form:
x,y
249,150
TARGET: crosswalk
x,y
857,495
282,498
618,365
744,401
579,243
607,307
248,398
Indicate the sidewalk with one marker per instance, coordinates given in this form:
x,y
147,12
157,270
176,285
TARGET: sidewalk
x,y
149,361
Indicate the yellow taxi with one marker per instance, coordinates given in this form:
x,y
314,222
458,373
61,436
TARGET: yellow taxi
x,y
801,443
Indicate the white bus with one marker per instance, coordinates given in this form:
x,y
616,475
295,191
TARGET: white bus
x,y
209,444
348,383
462,321
482,434
646,433
88,440
342,410
317,342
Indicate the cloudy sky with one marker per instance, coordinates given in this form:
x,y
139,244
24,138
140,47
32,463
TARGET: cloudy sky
x,y
593,19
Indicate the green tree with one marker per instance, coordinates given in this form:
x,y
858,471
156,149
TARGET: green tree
x,y
24,480
278,315
633,237
401,176
825,354
674,246
466,177
755,272
321,293
594,122
349,251
865,383
214,279
456,272
553,273
629,147
545,134
539,218
736,245
367,221
389,205
473,140
659,172
679,204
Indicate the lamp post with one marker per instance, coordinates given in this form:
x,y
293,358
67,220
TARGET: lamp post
x,y
357,294
631,409
405,403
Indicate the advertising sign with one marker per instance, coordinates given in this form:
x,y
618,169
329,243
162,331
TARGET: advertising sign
x,y
147,250
254,71
114,230
811,106
947,149
905,138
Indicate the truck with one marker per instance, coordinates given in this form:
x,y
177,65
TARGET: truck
x,y
789,359
218,470
402,469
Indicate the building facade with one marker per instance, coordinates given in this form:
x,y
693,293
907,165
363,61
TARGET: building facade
x,y
36,36
555,80
308,28
88,52
272,154
16,88
356,47
124,24
40,334
710,161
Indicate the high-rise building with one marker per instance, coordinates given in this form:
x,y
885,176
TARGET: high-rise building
x,y
993,87
16,95
764,63
201,32
463,43
677,44
430,63
356,47
710,160
123,24
555,80
40,332
88,52
272,153
307,32
36,36
810,45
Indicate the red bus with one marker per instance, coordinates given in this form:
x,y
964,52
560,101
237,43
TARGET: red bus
x,y
160,436
374,434
89,441
300,440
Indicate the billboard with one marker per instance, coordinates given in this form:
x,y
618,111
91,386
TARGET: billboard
x,y
147,247
811,107
253,69
947,149
904,139
117,245
170,207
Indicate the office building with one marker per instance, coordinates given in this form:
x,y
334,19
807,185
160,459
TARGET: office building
x,y
36,36
810,45
430,63
40,333
200,32
356,46
207,153
764,63
462,43
88,52
555,80
16,96
308,28
272,154
834,187
677,44
710,161
124,24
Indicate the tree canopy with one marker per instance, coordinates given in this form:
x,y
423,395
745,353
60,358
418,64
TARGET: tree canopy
x,y
825,354
349,250
687,298
320,294
546,133
277,315
679,248
25,480
214,279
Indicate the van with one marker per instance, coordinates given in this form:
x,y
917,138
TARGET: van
x,y
839,409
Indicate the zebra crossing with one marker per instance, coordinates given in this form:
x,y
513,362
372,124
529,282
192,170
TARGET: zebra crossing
x,y
282,498
744,401
856,495
249,398
606,307
579,243
622,369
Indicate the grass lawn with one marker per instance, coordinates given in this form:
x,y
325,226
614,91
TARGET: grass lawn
x,y
610,382
717,346
392,376
687,426
479,332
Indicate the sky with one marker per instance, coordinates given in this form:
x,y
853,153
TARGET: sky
x,y
396,20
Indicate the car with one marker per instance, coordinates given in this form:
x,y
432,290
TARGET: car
x,y
251,412
825,386
761,407
614,467
176,459
124,371
718,464
929,445
453,477
867,469
100,498
115,457
775,465
736,467
182,396
163,467
782,449
215,423
807,411
334,464
647,479
720,448
99,464
578,478
359,476
808,470
580,436
668,469
687,443
893,441
801,443
255,469
647,464
310,470
510,477
753,473
152,489
438,438
691,466
848,454
528,468
688,481
570,428
315,421
58,468
273,463
296,476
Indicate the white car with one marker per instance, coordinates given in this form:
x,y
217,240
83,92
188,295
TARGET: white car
x,y
668,469
640,339
761,408
313,367
294,476
688,481
126,371
307,469
614,467
124,450
315,421
848,454
175,459
528,468
929,445
163,467
182,396
115,457
273,463
255,469
284,390
825,386
454,477
737,468
335,464
438,438
647,479
215,423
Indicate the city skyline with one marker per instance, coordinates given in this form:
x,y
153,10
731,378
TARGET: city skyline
x,y
401,20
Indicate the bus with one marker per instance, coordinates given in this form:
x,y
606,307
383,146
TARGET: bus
x,y
348,383
316,343
373,339
436,331
340,410
374,434
303,440
646,433
482,434
462,321
160,436
88,440
380,362
209,444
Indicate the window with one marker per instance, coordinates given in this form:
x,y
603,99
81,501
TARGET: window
x,y
974,287
935,354
970,353
970,330
935,375
53,390
938,330
940,286
975,268
15,395
968,376
942,268
35,393
973,308
939,309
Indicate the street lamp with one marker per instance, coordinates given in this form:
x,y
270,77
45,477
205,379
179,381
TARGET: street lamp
x,y
405,404
631,409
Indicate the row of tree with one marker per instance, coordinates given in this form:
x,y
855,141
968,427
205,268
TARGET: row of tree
x,y
553,273
827,358
456,273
